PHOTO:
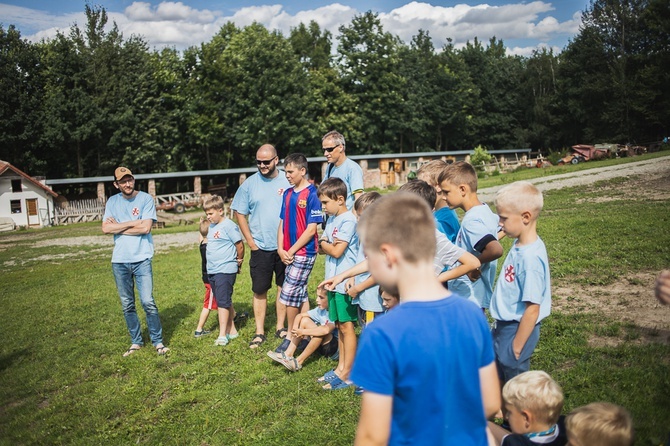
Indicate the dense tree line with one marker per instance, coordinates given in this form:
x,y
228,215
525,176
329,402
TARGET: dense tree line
x,y
88,100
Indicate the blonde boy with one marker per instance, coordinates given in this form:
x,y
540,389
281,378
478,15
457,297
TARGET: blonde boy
x,y
225,252
478,234
599,424
340,245
427,366
532,403
522,296
446,219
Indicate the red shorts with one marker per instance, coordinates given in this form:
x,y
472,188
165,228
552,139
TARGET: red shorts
x,y
210,302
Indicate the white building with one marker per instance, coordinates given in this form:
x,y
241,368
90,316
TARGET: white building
x,y
27,201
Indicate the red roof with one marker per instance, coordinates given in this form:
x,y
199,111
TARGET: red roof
x,y
5,166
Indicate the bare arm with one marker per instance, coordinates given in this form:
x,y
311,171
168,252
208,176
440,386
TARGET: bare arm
x,y
132,227
526,326
468,262
246,232
492,251
374,424
362,286
490,387
319,330
355,270
335,249
239,246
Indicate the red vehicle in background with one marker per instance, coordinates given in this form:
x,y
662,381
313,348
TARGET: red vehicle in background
x,y
582,152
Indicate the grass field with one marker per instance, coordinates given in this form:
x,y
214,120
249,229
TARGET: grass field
x,y
63,380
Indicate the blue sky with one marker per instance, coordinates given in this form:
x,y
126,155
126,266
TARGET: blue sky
x,y
523,25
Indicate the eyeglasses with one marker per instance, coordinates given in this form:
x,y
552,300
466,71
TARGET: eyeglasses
x,y
265,162
126,181
330,149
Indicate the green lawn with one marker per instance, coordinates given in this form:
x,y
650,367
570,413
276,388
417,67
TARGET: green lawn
x,y
63,380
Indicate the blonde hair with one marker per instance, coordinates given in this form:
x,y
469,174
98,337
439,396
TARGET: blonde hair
x,y
430,172
204,227
521,196
536,392
407,223
599,424
459,173
213,202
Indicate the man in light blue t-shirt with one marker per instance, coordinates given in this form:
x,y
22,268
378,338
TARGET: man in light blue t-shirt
x,y
341,167
257,205
130,216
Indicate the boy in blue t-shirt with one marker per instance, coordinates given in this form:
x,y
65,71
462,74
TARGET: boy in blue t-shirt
x,y
297,237
428,366
478,234
339,243
225,252
522,296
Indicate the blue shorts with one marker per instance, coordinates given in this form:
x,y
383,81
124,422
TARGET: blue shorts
x,y
503,337
222,287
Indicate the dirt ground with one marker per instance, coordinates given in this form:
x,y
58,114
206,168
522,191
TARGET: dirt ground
x,y
629,300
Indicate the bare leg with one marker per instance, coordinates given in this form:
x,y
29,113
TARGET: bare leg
x,y
349,341
203,319
313,345
224,315
291,313
340,345
260,306
281,312
305,306
230,329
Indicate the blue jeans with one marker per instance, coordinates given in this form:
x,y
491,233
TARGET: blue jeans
x,y
141,272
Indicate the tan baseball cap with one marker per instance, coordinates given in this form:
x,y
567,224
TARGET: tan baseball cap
x,y
121,172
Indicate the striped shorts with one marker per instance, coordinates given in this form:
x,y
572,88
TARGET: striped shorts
x,y
294,290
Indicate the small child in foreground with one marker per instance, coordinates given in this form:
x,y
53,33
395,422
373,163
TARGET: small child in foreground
x,y
209,303
428,366
313,326
599,424
532,404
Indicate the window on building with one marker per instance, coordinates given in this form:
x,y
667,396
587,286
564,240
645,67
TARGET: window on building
x,y
15,206
16,186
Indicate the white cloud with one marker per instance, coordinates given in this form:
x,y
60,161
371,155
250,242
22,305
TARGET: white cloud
x,y
528,50
180,25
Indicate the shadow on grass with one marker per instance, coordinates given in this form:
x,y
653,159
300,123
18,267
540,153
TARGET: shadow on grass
x,y
171,317
7,360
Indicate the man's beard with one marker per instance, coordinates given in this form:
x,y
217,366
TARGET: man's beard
x,y
271,171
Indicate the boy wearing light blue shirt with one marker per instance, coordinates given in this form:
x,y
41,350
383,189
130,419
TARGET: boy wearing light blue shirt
x,y
522,296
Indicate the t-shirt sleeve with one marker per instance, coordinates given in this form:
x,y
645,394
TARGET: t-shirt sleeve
x,y
241,200
374,365
532,284
149,209
356,178
283,204
346,231
233,232
446,253
314,208
475,231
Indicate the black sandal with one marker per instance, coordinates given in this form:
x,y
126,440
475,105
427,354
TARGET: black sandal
x,y
280,332
257,340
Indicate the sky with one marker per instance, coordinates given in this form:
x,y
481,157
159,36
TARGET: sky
x,y
522,25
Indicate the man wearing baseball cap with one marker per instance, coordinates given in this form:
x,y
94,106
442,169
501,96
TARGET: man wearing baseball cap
x,y
130,215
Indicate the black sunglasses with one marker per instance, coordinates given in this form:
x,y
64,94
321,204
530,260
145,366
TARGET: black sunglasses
x,y
265,162
330,149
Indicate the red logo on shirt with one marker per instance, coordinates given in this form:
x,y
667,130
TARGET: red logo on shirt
x,y
217,234
280,192
509,273
136,212
334,233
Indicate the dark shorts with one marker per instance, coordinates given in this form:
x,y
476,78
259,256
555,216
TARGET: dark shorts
x,y
222,287
262,265
330,348
340,308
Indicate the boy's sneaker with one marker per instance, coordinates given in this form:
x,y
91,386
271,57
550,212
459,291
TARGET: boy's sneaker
x,y
240,317
358,390
201,333
283,346
221,340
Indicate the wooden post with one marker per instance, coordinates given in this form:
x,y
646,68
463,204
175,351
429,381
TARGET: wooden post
x,y
101,192
152,188
197,185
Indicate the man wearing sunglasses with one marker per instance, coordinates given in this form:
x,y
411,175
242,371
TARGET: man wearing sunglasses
x,y
257,205
340,166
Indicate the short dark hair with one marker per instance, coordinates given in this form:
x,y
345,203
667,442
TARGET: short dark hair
x,y
297,159
422,189
365,200
332,188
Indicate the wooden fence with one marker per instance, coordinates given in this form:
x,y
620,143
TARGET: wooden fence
x,y
79,211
